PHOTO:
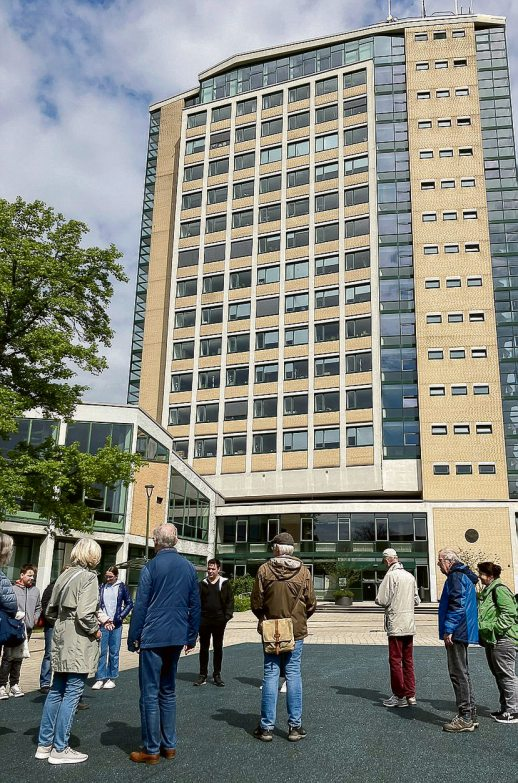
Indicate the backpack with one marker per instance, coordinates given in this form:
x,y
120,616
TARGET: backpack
x,y
514,597
12,631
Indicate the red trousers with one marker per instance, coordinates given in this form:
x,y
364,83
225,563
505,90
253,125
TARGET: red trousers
x,y
401,662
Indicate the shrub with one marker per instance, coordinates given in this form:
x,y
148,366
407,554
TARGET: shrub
x,y
343,594
242,585
241,603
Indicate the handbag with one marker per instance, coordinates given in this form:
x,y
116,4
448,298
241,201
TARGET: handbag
x,y
278,633
12,631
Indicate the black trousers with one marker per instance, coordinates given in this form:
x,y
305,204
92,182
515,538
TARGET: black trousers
x,y
216,630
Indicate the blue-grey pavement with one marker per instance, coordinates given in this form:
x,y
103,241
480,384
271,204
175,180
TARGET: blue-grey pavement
x,y
351,736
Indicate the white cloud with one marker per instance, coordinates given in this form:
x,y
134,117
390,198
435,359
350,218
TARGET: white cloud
x,y
76,78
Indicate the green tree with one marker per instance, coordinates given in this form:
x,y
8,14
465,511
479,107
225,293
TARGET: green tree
x,y
54,298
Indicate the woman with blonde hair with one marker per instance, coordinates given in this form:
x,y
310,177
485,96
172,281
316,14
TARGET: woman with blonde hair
x,y
8,602
75,651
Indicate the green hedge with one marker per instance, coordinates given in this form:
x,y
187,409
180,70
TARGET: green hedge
x,y
241,603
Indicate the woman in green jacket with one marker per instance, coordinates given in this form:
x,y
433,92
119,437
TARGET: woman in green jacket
x,y
498,632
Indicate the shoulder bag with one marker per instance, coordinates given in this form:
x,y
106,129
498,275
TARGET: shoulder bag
x,y
278,634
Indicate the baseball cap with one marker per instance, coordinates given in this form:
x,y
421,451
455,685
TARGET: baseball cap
x,y
389,553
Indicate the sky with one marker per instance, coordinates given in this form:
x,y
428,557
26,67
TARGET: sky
x,y
77,78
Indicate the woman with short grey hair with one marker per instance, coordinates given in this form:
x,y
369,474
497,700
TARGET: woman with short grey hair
x,y
8,602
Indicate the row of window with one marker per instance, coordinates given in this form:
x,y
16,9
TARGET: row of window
x,y
464,468
444,184
444,122
301,92
439,35
463,152
266,442
455,318
462,429
458,62
467,214
326,232
266,407
453,282
295,369
469,247
459,92
458,390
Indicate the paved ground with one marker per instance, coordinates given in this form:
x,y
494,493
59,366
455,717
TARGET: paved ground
x,y
351,737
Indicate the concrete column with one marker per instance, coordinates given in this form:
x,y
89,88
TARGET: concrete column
x,y
45,561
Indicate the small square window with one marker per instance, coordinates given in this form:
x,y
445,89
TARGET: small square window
x,y
470,214
451,249
422,66
453,282
458,33
472,282
445,122
477,317
425,154
480,388
467,182
479,353
457,353
447,183
455,318
466,152
472,247
461,62
442,93
420,37
434,318
449,216
463,122
429,217
424,124
431,250
484,429
462,92
461,429
434,283
439,429
441,64
437,391
487,468
463,469
441,470
447,153
423,95
439,35
459,391
427,184
435,353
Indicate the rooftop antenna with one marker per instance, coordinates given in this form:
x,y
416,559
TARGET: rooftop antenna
x,y
456,7
423,9
390,18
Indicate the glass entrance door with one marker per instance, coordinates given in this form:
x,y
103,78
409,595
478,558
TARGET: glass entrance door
x,y
371,580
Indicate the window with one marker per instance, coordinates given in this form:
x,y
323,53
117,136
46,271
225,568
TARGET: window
x,y
183,349
440,469
221,139
461,429
453,282
213,253
439,429
184,318
188,257
355,106
209,379
355,196
432,283
297,238
466,152
325,172
296,121
193,146
191,200
244,189
484,429
434,318
271,127
215,224
435,353
238,311
195,120
327,439
480,388
271,155
358,362
221,113
459,391
237,376
266,307
451,249
473,281
357,327
355,79
357,135
210,346
296,303
437,391
300,93
446,153
449,216
487,468
447,184
327,233
205,447
217,195
418,37
445,122
424,124
476,317
272,99
265,443
427,184
297,336
212,315
423,95
267,340
297,178
426,154
269,213
463,122
441,64
360,292
359,436
265,407
236,410
295,441
358,259
356,165
269,244
357,399
472,247
181,382
245,133
328,331
245,161
463,469
326,265
246,107
326,366
296,405
439,35
458,33
191,173
270,184
429,217
422,66
467,182
242,278
326,201
296,370
462,92
266,373
296,148
217,167
327,402
190,229
457,353
325,86
213,284
297,270
242,219
208,412
297,208
326,114
328,297
186,288
327,142
268,274
470,214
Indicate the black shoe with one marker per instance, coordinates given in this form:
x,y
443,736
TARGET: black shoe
x,y
202,680
296,733
497,714
507,717
218,681
45,689
265,735
83,706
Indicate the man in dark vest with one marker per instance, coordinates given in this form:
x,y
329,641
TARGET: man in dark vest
x,y
217,608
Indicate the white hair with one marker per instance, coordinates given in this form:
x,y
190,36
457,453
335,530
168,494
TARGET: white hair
x,y
283,549
450,555
165,536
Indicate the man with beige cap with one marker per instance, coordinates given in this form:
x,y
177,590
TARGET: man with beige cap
x,y
398,595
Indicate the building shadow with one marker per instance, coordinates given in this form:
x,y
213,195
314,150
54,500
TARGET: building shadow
x,y
254,682
376,699
239,720
121,735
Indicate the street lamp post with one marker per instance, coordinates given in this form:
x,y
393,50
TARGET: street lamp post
x,y
149,491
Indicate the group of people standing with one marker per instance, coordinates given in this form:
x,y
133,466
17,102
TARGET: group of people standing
x,y
172,607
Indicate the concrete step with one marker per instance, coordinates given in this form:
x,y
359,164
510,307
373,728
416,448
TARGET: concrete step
x,y
369,607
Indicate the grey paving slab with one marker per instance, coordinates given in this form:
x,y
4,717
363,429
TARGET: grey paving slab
x,y
351,736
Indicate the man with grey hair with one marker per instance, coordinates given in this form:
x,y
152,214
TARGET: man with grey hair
x,y
283,588
458,627
165,620
398,595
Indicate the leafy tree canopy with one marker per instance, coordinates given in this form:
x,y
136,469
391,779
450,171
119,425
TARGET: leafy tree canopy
x,y
54,298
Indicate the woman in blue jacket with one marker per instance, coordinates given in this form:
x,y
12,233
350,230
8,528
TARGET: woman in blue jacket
x,y
115,601
8,601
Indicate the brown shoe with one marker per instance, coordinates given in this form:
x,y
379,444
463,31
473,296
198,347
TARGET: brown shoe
x,y
168,753
141,757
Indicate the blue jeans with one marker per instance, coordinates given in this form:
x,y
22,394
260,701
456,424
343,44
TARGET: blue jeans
x,y
157,680
108,668
46,666
290,664
59,709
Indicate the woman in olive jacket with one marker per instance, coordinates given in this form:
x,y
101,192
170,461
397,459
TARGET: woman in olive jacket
x,y
498,633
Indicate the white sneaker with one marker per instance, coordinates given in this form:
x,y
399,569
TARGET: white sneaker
x,y
97,687
16,691
412,701
43,752
109,684
67,756
394,701
3,692
283,688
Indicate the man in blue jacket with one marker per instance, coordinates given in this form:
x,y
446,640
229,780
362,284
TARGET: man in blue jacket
x,y
165,619
458,627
